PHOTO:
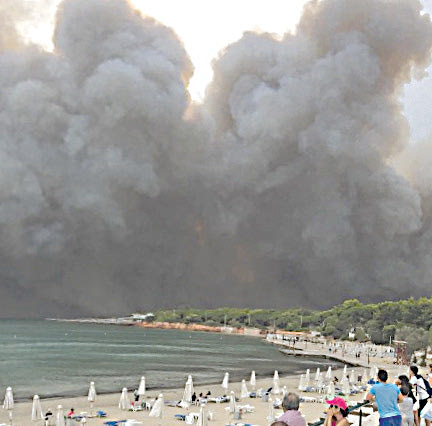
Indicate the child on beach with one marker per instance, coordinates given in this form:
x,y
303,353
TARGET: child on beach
x,y
406,407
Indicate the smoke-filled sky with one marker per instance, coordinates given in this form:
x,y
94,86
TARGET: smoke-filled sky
x,y
294,182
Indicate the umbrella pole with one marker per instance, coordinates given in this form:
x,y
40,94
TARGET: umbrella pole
x,y
91,409
10,417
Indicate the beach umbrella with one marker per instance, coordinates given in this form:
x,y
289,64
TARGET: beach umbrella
x,y
271,415
284,391
276,389
124,403
91,396
157,408
364,376
253,380
372,373
36,414
60,421
202,418
142,388
345,370
225,381
301,386
233,405
346,390
8,402
307,378
319,382
244,389
352,377
331,390
187,394
329,373
317,374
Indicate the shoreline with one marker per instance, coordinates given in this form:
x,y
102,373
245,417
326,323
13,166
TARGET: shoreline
x,y
108,402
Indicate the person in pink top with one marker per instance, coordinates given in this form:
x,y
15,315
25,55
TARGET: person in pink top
x,y
292,415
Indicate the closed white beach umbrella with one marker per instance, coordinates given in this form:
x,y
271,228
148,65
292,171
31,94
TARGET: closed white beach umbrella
x,y
307,377
92,392
302,386
233,405
157,409
253,380
317,374
284,391
329,373
124,403
364,376
8,402
225,381
202,418
352,377
276,389
271,414
372,373
244,389
346,390
36,414
60,421
142,387
345,370
91,396
330,390
187,394
319,382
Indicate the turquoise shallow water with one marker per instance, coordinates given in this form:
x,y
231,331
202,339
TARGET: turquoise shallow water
x,y
60,359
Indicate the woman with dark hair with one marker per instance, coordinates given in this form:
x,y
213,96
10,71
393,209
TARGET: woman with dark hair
x,y
404,381
337,413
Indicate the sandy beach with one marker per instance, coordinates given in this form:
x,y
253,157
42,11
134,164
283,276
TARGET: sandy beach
x,y
109,402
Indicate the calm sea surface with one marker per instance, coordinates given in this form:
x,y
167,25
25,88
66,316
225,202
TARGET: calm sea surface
x,y
52,358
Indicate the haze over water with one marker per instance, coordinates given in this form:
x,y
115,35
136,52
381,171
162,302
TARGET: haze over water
x,y
60,359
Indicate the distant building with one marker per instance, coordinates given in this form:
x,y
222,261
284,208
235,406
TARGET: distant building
x,y
142,317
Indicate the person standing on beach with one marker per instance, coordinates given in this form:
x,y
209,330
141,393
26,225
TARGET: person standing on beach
x,y
387,396
419,383
292,415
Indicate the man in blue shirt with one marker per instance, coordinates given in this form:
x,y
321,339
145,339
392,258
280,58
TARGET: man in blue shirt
x,y
387,397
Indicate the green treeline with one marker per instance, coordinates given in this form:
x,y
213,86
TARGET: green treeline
x,y
409,320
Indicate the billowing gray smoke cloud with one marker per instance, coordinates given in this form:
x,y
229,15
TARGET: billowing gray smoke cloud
x,y
289,184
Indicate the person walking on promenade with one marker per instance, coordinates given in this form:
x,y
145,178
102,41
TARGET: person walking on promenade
x,y
387,396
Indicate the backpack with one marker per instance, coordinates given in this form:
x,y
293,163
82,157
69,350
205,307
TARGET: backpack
x,y
426,387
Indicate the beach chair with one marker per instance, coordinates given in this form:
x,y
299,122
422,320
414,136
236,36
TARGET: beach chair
x,y
114,422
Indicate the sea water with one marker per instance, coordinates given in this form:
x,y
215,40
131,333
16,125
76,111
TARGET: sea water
x,y
51,358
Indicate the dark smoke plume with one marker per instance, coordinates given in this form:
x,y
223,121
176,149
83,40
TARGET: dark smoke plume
x,y
292,183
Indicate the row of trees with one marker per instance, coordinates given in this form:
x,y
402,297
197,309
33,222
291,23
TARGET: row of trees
x,y
409,320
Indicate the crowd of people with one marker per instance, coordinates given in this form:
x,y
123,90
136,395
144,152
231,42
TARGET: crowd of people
x,y
402,403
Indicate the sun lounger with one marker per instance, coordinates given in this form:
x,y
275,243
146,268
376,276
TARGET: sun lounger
x,y
114,422
172,403
101,414
219,399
